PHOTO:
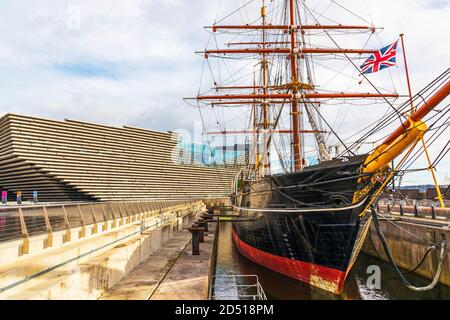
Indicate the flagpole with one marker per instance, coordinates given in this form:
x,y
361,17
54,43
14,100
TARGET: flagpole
x,y
431,168
407,74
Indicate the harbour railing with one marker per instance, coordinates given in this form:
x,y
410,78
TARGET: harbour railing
x,y
431,211
237,287
27,221
413,202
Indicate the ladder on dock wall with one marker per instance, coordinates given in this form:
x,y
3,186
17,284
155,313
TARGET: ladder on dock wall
x,y
237,287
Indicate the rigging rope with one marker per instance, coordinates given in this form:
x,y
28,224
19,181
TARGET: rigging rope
x,y
437,275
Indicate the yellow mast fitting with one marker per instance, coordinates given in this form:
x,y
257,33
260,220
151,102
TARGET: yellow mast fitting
x,y
384,154
298,86
381,188
263,11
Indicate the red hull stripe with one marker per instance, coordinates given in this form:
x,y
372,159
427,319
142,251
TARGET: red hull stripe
x,y
330,279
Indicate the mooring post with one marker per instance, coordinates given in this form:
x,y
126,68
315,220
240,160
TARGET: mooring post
x,y
195,231
206,217
203,224
402,210
201,232
433,212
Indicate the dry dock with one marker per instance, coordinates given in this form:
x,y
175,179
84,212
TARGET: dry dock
x,y
171,273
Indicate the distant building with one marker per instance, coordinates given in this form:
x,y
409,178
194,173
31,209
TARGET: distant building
x,y
204,154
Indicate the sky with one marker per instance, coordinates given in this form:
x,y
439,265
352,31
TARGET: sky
x,y
130,62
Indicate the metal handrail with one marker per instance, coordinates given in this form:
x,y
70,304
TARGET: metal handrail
x,y
26,221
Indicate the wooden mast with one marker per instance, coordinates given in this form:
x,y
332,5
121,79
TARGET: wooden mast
x,y
295,113
265,103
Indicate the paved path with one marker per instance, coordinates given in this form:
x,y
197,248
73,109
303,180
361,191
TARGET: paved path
x,y
171,273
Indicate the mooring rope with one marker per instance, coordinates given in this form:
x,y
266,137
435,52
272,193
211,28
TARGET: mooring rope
x,y
406,283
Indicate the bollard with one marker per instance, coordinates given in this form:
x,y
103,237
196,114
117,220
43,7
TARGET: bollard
x,y
4,197
203,224
19,197
195,231
206,217
35,197
201,232
416,211
402,210
433,212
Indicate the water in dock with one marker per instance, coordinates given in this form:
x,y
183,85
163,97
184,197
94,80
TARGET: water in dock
x,y
278,287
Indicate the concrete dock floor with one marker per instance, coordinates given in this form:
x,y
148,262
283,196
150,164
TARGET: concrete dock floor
x,y
171,273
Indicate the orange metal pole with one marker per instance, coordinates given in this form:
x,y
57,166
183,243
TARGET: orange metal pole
x,y
255,43
265,105
421,112
255,122
291,27
244,87
262,131
293,49
296,149
238,87
294,96
251,102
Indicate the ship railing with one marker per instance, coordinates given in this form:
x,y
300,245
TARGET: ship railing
x,y
237,287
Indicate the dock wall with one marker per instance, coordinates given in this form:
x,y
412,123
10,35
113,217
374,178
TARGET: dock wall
x,y
86,267
409,239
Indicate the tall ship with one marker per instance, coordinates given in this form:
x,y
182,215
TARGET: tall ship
x,y
281,67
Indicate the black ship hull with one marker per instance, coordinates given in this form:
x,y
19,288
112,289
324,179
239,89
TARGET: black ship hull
x,y
310,225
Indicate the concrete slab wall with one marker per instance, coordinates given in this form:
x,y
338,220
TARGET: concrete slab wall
x,y
92,265
409,242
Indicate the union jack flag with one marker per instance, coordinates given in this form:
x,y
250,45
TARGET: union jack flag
x,y
384,58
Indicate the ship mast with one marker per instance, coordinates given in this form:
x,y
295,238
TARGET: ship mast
x,y
294,93
295,113
265,85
